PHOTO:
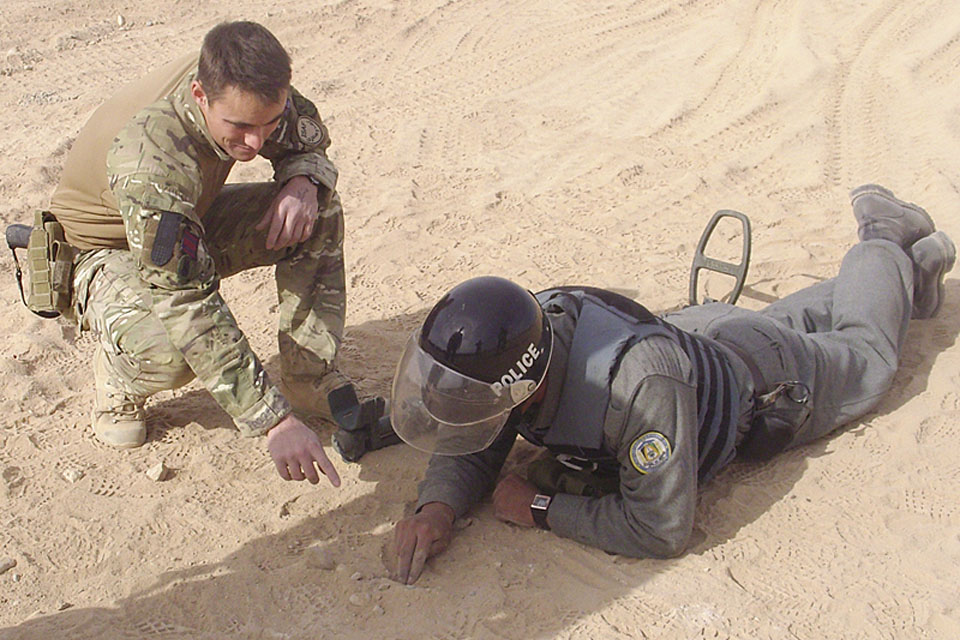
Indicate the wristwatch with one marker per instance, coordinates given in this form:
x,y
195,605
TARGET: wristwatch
x,y
538,509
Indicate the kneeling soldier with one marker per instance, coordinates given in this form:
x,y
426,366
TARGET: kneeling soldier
x,y
142,199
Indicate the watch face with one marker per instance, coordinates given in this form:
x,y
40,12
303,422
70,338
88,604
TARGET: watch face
x,y
540,502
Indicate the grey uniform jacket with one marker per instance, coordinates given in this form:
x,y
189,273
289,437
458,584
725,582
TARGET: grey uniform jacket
x,y
653,398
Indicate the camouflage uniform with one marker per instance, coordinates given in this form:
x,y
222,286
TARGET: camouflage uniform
x,y
153,294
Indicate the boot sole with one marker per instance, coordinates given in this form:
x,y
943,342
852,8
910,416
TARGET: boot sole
x,y
950,251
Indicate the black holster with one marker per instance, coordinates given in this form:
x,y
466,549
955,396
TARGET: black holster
x,y
778,416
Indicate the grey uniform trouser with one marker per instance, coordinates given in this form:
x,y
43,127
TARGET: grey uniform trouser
x,y
112,299
841,337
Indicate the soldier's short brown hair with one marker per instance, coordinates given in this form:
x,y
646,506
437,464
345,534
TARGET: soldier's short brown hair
x,y
246,56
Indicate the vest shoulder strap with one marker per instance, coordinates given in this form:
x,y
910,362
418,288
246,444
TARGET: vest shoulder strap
x,y
602,334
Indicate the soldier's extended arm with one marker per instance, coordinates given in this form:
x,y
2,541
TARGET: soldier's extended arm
x,y
461,481
156,190
652,515
451,486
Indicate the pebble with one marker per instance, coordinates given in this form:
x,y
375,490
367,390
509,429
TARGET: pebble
x,y
72,475
13,477
357,576
63,606
6,564
320,559
377,609
158,472
121,21
15,577
356,599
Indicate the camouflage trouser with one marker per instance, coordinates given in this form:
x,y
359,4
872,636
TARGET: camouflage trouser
x,y
110,297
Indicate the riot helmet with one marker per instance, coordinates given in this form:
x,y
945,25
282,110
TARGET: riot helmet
x,y
483,350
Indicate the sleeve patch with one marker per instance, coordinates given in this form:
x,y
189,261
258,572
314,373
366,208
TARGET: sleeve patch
x,y
309,130
166,238
650,451
189,244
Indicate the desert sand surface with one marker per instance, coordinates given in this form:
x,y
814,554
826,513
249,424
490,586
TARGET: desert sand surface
x,y
550,142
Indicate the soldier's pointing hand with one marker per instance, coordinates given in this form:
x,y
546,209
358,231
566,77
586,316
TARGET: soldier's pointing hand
x,y
297,452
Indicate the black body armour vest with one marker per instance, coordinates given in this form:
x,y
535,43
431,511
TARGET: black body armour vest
x,y
608,324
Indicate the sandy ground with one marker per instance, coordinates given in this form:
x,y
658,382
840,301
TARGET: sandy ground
x,y
553,143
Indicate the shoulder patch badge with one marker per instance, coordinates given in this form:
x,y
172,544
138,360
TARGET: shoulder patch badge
x,y
649,451
309,130
168,229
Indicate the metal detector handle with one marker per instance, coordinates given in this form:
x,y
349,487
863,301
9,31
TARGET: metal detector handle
x,y
701,261
345,407
18,236
363,426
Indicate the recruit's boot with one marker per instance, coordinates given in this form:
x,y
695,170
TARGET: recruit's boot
x,y
933,256
118,416
882,215
308,394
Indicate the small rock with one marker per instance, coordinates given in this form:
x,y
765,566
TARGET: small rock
x,y
384,585
63,606
462,523
72,475
357,576
320,559
158,472
121,21
13,477
6,564
356,599
15,577
377,609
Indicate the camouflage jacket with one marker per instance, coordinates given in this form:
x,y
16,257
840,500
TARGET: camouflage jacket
x,y
164,169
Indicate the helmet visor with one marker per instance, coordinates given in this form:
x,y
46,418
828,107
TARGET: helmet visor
x,y
439,410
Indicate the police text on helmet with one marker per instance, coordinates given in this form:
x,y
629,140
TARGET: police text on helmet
x,y
519,368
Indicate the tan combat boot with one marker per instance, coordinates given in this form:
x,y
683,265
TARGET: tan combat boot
x,y
308,394
118,417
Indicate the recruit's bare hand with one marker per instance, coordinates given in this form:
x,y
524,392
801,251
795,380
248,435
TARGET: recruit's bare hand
x,y
421,536
295,448
512,498
290,218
